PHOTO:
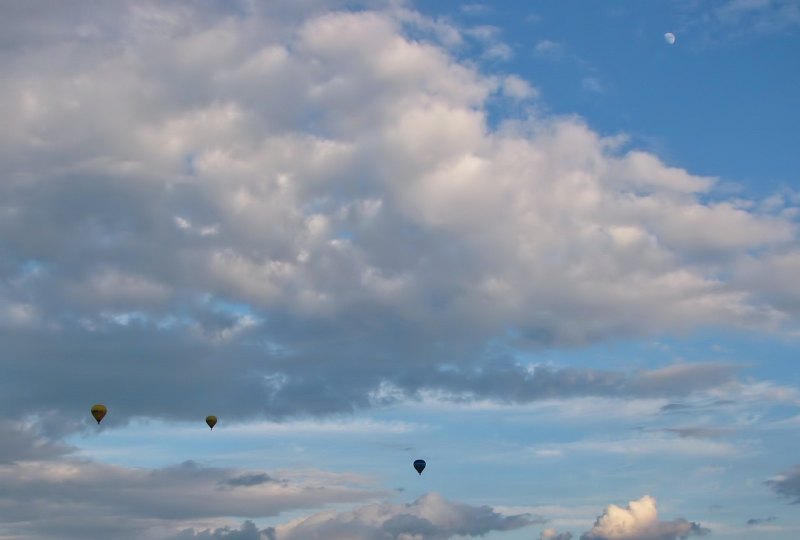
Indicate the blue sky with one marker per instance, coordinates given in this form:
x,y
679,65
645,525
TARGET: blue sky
x,y
532,243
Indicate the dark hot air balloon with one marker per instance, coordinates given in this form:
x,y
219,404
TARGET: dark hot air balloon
x,y
419,465
211,421
99,411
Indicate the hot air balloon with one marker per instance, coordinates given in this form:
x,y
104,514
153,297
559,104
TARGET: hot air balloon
x,y
99,411
211,421
419,465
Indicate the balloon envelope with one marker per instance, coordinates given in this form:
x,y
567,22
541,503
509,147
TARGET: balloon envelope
x,y
211,421
669,37
419,465
99,411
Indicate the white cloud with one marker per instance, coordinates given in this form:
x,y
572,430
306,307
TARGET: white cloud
x,y
639,521
730,20
592,84
650,445
548,48
489,37
518,88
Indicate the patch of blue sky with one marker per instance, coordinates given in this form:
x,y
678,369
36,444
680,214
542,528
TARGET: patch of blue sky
x,y
344,234
228,307
528,459
689,103
31,268
126,318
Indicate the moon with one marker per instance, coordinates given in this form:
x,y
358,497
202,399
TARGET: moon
x,y
669,37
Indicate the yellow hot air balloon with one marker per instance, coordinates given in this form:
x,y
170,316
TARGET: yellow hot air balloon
x,y
99,411
211,421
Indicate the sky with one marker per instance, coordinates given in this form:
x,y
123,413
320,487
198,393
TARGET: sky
x,y
535,244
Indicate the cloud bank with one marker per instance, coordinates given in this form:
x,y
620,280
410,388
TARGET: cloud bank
x,y
299,206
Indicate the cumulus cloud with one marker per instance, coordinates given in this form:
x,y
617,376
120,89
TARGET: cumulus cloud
x,y
787,484
639,521
430,517
261,202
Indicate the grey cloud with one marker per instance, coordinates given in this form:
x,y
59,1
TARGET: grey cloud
x,y
430,517
22,442
248,531
79,499
247,480
118,364
759,521
687,408
511,382
121,363
787,484
700,432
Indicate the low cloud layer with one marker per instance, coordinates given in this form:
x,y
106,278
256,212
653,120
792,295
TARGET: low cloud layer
x,y
430,517
46,493
639,521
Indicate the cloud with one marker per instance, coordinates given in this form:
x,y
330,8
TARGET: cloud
x,y
787,484
476,9
760,521
761,15
549,49
248,531
489,37
700,432
248,480
296,205
518,88
592,84
513,383
430,517
552,534
21,441
639,521
729,20
69,498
